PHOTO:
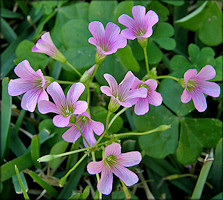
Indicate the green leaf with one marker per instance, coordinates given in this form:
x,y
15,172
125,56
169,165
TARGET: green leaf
x,y
5,13
24,52
195,134
8,169
99,113
102,11
35,150
7,31
83,195
160,144
16,183
218,68
154,53
59,147
127,59
171,92
51,190
5,117
175,3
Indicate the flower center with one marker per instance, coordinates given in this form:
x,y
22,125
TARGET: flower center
x,y
83,119
145,86
67,111
191,85
110,160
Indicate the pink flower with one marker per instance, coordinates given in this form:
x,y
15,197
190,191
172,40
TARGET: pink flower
x,y
154,98
141,26
115,162
122,94
45,45
107,40
64,107
87,126
197,84
31,83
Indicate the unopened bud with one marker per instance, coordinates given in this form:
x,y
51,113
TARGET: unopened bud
x,y
87,74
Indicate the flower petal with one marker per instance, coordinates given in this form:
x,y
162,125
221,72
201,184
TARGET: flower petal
x,y
61,121
113,149
47,107
19,86
71,135
74,93
29,99
151,83
43,96
112,83
186,96
207,73
128,34
189,74
137,93
111,32
105,184
47,38
127,176
94,167
141,106
151,18
106,90
118,42
97,127
56,92
129,159
88,134
138,13
154,98
199,101
126,83
97,30
80,107
209,88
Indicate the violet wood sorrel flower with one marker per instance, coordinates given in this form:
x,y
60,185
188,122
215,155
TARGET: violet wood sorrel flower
x,y
122,94
141,26
45,45
115,162
64,107
87,126
107,40
32,83
197,84
154,98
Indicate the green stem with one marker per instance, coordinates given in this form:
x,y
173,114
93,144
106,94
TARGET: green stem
x,y
64,82
170,77
203,176
146,59
72,67
95,70
82,133
125,189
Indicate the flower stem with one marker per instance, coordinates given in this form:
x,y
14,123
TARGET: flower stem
x,y
82,134
146,59
125,189
64,82
95,70
72,67
170,77
203,176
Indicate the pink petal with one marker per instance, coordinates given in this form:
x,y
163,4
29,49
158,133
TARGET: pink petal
x,y
74,93
127,21
80,107
137,93
113,149
43,96
128,75
126,84
151,83
119,42
208,72
71,135
93,41
186,96
111,32
29,99
97,30
124,103
154,98
94,167
105,184
128,34
88,134
150,19
199,101
136,83
106,90
25,71
141,106
61,121
97,127
19,86
127,176
47,107
129,159
209,88
190,74
112,83
138,13
47,39
56,92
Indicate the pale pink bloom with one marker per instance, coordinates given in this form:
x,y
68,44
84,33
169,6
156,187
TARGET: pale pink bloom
x,y
141,26
87,126
122,94
115,162
32,83
107,40
45,45
64,107
197,84
154,98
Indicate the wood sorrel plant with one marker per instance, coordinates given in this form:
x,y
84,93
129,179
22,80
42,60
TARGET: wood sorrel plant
x,y
74,114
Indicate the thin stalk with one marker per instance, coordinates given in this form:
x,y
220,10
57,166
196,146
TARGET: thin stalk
x,y
203,175
72,67
65,82
170,77
125,189
95,70
146,59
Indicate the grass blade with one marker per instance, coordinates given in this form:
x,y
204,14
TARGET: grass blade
x,y
7,31
35,150
16,183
